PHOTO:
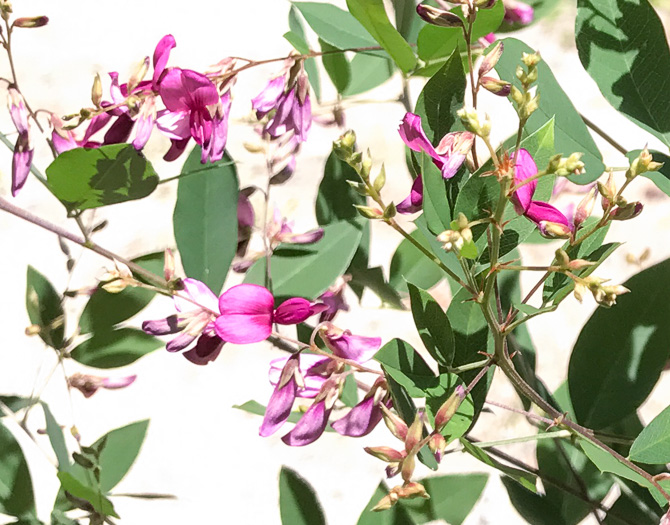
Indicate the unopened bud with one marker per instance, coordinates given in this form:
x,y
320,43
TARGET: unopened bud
x,y
491,60
642,164
437,444
449,408
390,211
138,75
386,502
555,230
562,258
394,423
484,4
554,163
438,17
476,122
366,167
413,490
33,329
414,433
528,108
627,212
407,466
608,191
496,86
531,59
516,95
579,291
606,295
380,181
387,454
579,264
96,91
585,208
31,21
370,213
168,265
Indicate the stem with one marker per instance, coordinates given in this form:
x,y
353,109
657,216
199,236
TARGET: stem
x,y
524,439
467,33
470,366
529,415
184,175
38,221
604,135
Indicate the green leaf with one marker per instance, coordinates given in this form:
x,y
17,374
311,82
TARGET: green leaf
x,y
205,219
368,70
621,351
534,508
571,134
451,497
256,408
630,508
469,328
334,25
608,463
653,443
335,199
558,286
56,438
407,367
44,308
661,177
85,178
82,491
623,47
373,279
115,348
406,21
372,15
308,271
298,503
104,310
336,65
409,265
16,487
433,326
297,39
525,479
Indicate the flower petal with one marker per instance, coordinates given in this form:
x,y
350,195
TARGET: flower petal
x,y
21,162
297,310
310,426
414,200
199,293
312,369
119,382
187,90
161,56
268,98
246,314
539,212
206,349
169,325
360,420
413,136
355,347
524,168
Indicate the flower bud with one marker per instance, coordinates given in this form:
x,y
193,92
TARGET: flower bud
x,y
642,164
168,265
438,17
414,433
528,108
394,423
33,329
516,95
366,167
555,230
606,295
96,91
370,213
579,291
562,258
413,490
449,408
608,191
386,502
476,122
407,466
387,454
531,59
496,86
437,444
31,21
138,75
585,208
626,212
579,264
491,60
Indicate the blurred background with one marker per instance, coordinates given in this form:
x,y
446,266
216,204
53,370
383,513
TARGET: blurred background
x,y
198,447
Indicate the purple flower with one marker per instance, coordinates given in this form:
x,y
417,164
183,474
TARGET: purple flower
x,y
518,12
268,99
365,416
414,200
348,346
449,154
197,308
89,384
247,313
550,221
333,298
280,230
23,150
313,422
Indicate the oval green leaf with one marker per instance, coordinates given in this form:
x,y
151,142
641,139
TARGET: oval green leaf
x,y
44,308
115,348
298,503
653,443
433,325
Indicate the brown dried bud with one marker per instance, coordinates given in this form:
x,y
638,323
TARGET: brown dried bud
x,y
491,60
438,17
31,21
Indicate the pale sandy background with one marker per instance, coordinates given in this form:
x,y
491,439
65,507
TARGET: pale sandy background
x,y
198,447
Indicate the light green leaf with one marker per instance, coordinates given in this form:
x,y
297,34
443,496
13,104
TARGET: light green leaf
x,y
525,479
82,491
336,65
57,440
409,265
368,70
298,503
372,15
653,443
661,177
334,25
205,219
85,178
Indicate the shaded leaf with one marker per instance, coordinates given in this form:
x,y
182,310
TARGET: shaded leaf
x,y
409,265
298,503
298,40
336,65
433,325
44,308
82,491
56,438
653,443
115,348
16,487
525,479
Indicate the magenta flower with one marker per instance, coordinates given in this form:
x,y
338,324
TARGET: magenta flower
x,y
197,308
334,300
414,201
290,102
23,150
518,12
280,230
365,416
449,154
313,422
550,221
295,376
89,384
348,346
247,313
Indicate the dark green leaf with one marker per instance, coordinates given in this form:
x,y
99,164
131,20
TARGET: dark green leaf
x,y
571,134
623,47
334,25
629,508
410,265
298,40
406,21
336,65
57,440
114,348
368,70
103,310
335,199
205,219
84,178
44,308
308,271
432,325
525,479
372,15
16,487
16,403
653,444
661,177
407,367
469,328
82,491
373,279
298,503
453,497
535,508
621,351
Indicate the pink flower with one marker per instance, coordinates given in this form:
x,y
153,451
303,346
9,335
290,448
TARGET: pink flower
x,y
197,308
247,313
89,385
449,154
334,300
280,230
365,416
312,424
23,150
348,346
414,201
550,221
518,12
